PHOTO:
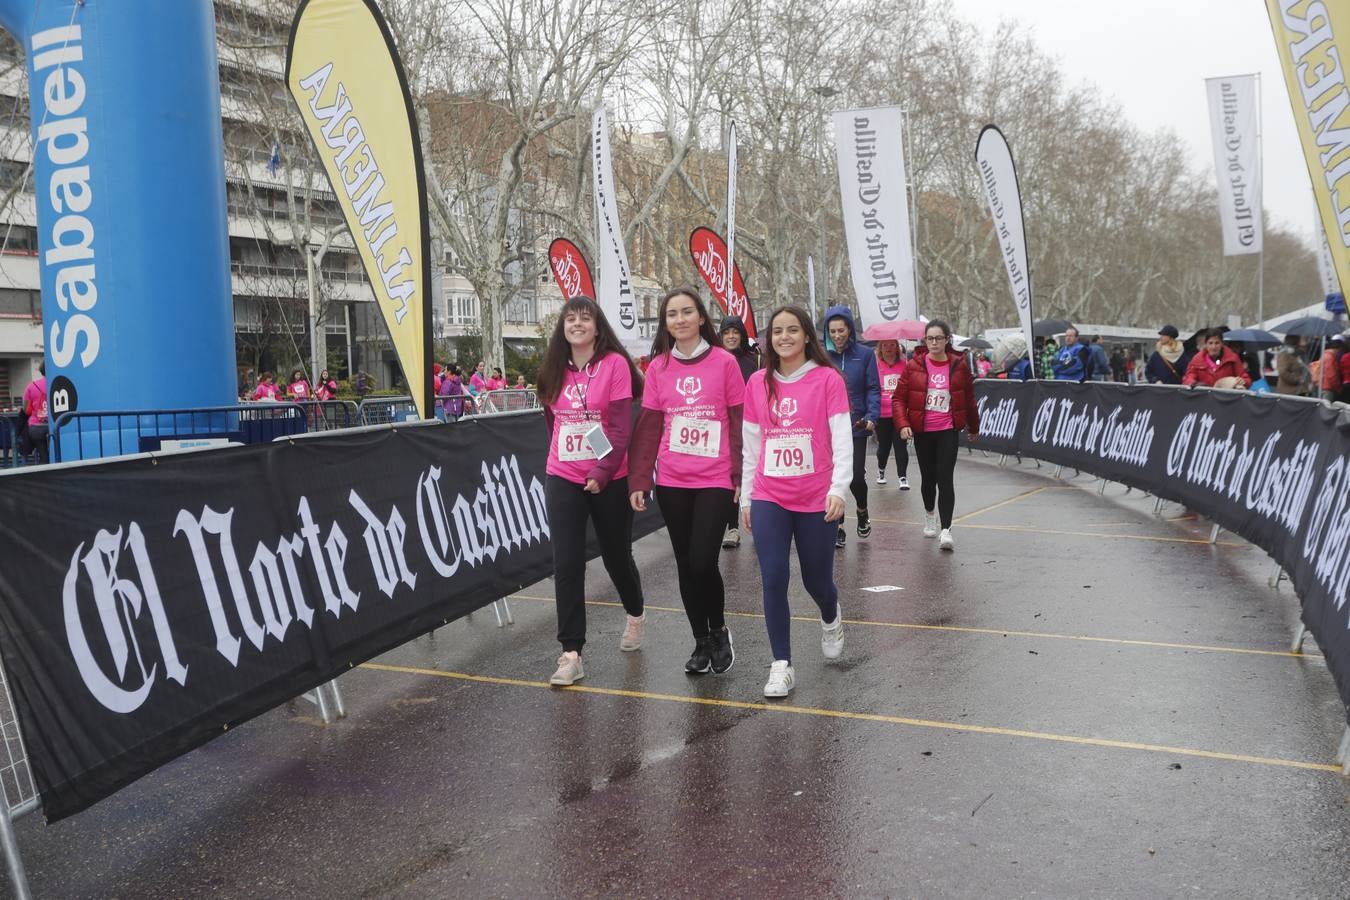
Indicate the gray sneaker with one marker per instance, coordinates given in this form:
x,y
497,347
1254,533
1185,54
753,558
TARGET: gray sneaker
x,y
632,633
832,635
569,669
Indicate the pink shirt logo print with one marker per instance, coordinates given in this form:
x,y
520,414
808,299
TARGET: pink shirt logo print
x,y
689,388
784,408
576,393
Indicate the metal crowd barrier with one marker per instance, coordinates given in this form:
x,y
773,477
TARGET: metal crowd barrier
x,y
9,441
493,402
330,415
385,410
77,435
19,793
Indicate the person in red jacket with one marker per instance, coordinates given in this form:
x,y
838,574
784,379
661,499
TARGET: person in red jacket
x,y
1216,366
933,402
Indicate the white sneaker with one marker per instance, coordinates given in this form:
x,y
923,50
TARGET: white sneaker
x,y
832,636
569,669
904,483
930,528
632,633
731,539
780,681
945,540
881,476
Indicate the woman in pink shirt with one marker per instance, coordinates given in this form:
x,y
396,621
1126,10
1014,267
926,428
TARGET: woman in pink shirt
x,y
586,386
298,389
497,382
35,406
890,365
690,432
326,387
796,466
267,389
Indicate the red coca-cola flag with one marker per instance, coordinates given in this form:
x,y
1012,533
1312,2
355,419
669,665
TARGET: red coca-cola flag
x,y
710,258
570,269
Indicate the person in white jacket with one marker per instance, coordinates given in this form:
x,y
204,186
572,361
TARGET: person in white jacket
x,y
797,462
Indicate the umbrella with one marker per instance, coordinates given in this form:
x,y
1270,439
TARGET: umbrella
x,y
1309,326
1048,327
900,330
976,344
1253,338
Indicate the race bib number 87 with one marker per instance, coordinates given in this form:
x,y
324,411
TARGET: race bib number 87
x,y
572,443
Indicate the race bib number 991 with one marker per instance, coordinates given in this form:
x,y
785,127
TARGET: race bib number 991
x,y
695,437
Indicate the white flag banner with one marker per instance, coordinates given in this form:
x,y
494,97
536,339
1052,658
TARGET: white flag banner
x,y
1326,266
998,174
1233,113
615,284
876,212
731,199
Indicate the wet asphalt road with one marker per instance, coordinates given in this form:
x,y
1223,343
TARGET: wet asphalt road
x,y
1029,716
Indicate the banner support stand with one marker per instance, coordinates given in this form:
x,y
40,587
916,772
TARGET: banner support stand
x,y
1300,633
18,878
1214,533
1343,754
499,607
1101,488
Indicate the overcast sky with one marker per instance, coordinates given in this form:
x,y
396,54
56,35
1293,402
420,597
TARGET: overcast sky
x,y
1152,57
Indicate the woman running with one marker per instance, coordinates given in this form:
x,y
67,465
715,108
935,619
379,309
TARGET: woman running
x,y
890,363
797,461
690,430
586,385
933,402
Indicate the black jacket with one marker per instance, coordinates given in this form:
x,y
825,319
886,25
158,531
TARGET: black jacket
x,y
747,357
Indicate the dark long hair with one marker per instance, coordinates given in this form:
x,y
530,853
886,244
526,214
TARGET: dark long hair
x,y
558,354
663,343
773,362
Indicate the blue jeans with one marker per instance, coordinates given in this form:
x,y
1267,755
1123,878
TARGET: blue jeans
x,y
774,529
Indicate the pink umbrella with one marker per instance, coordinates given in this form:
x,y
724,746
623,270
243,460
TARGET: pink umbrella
x,y
902,330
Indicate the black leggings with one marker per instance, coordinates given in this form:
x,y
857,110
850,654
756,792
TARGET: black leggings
x,y
936,451
569,506
888,438
694,519
859,484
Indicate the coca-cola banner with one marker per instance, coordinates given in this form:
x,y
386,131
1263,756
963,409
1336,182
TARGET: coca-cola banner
x,y
1275,470
152,604
570,269
710,258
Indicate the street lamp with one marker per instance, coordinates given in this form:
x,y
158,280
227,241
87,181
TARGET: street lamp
x,y
823,92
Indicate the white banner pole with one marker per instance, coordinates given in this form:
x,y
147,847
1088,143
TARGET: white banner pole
x,y
731,208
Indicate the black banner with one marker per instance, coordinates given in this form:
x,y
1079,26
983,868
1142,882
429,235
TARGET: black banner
x,y
1275,470
147,605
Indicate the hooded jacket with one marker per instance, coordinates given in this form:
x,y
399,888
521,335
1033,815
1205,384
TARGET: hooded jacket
x,y
747,357
911,395
859,365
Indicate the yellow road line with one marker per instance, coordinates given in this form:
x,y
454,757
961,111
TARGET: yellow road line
x,y
866,717
965,629
1002,503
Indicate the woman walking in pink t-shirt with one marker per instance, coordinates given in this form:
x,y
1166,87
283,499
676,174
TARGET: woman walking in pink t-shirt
x,y
797,462
890,365
690,432
586,385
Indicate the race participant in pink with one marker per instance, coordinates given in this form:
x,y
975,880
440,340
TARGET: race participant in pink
x,y
497,382
35,407
587,384
298,389
267,388
326,387
690,432
890,364
796,465
933,403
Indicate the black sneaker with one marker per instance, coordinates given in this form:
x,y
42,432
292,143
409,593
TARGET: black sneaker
x,y
701,661
722,653
839,539
864,526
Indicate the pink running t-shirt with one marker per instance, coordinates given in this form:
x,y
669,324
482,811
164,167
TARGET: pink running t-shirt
x,y
796,454
695,451
937,406
889,376
584,401
35,400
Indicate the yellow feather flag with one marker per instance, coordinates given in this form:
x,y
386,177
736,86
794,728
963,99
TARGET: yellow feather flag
x,y
342,68
1313,39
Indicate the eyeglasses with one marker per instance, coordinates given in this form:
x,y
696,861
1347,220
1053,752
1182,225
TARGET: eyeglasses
x,y
938,338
